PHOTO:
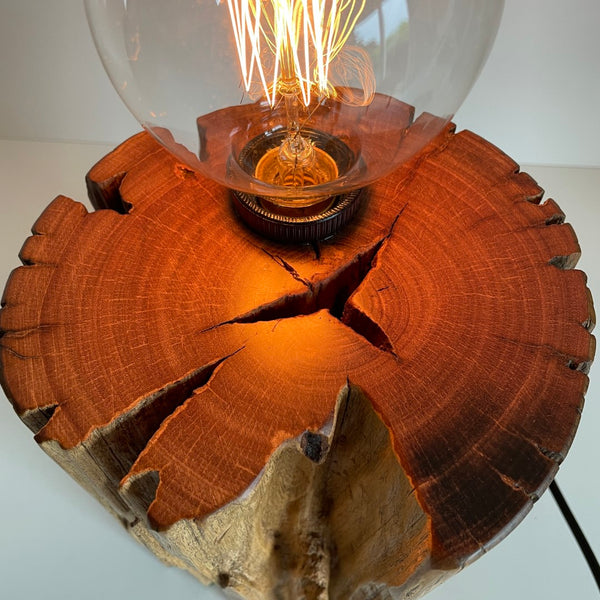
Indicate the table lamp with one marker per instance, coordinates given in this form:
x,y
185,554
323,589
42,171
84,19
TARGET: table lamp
x,y
358,406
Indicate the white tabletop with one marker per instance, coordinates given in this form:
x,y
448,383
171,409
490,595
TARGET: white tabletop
x,y
57,543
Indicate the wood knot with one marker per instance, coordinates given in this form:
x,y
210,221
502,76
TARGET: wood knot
x,y
314,446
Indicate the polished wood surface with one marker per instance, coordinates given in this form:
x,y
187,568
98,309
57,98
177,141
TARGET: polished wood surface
x,y
162,337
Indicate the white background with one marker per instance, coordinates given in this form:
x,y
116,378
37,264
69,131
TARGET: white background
x,y
537,99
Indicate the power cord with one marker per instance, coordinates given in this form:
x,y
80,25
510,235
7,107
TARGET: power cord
x,y
578,534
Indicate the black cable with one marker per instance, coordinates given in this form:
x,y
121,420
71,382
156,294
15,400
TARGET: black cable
x,y
582,542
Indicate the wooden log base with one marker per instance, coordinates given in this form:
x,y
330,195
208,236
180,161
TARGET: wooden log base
x,y
356,418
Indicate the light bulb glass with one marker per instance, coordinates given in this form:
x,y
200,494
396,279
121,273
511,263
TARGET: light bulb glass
x,y
293,100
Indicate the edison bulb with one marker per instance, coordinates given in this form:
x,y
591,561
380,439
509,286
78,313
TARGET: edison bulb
x,y
293,102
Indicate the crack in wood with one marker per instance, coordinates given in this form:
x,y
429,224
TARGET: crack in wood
x,y
569,361
16,354
107,194
565,262
326,536
332,294
26,331
509,481
289,268
316,249
556,219
151,419
557,457
36,418
132,430
102,471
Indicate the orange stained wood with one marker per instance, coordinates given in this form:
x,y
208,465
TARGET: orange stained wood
x,y
450,301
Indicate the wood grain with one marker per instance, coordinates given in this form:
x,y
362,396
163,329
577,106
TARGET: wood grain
x,y
354,419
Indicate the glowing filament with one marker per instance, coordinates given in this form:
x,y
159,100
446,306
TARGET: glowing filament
x,y
293,40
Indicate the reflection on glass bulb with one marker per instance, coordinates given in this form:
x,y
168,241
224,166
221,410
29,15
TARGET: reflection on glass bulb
x,y
293,101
